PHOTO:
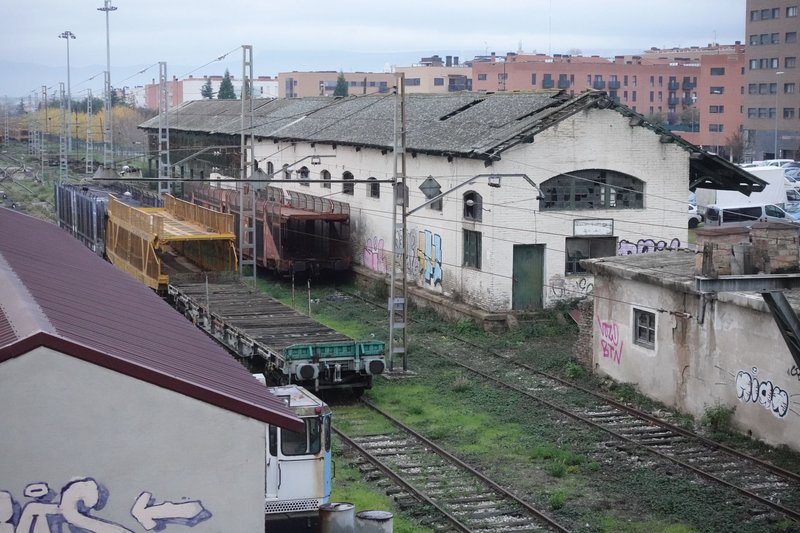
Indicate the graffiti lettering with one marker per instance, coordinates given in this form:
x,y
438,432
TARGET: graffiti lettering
x,y
561,288
430,257
770,396
645,246
794,371
78,499
374,257
610,340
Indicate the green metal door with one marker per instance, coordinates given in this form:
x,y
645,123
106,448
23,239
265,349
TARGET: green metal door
x,y
527,287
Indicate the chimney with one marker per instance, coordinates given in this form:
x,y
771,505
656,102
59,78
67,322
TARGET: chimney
x,y
448,61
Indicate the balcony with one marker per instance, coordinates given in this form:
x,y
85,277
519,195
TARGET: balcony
x,y
673,85
563,84
599,85
548,84
687,101
688,86
613,85
673,101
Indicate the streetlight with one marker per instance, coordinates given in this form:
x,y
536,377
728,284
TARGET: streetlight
x,y
68,35
777,92
108,137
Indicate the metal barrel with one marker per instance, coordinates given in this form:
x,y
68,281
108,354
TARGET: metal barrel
x,y
337,518
374,522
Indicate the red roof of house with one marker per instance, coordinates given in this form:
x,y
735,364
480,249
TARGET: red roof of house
x,y
57,293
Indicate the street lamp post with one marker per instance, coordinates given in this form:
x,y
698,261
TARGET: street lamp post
x,y
777,111
67,35
108,137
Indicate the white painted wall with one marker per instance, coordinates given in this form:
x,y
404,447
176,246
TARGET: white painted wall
x,y
590,139
737,354
63,419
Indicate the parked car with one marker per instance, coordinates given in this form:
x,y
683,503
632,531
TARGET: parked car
x,y
745,215
695,218
793,209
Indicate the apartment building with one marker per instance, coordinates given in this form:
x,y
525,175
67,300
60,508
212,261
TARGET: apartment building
x,y
189,89
771,99
297,84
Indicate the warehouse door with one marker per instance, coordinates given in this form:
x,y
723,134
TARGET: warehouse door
x,y
527,287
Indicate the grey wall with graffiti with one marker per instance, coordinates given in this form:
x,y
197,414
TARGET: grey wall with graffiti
x,y
85,447
731,355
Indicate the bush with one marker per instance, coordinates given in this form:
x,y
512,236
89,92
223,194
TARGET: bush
x,y
574,370
557,500
719,418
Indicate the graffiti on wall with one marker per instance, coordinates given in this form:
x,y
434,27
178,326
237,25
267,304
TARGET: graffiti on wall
x,y
794,372
429,251
610,340
646,246
375,256
561,287
78,500
764,392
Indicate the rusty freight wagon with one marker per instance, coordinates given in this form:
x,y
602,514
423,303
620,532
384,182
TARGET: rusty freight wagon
x,y
287,346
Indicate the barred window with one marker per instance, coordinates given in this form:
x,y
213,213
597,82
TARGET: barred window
x,y
348,188
644,328
592,189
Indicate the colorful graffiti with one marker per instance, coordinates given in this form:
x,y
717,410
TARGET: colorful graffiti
x,y
610,340
646,246
771,397
375,256
429,252
78,499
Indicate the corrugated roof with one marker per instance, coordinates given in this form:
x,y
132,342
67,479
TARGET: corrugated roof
x,y
57,293
463,124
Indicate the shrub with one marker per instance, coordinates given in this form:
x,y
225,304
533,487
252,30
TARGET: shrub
x,y
557,499
718,418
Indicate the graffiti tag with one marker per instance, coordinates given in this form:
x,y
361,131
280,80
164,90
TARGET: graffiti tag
x,y
76,503
770,396
794,372
374,257
430,257
610,340
646,246
560,288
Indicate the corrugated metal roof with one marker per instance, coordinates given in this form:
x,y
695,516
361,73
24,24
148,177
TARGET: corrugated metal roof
x,y
80,304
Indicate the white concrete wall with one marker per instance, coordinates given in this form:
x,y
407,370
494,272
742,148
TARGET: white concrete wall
x,y
64,419
735,356
592,139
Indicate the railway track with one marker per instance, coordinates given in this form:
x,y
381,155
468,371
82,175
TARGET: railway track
x,y
773,492
427,475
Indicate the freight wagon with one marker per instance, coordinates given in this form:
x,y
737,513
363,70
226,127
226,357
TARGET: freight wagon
x,y
287,346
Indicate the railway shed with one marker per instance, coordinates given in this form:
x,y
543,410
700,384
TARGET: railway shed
x,y
118,414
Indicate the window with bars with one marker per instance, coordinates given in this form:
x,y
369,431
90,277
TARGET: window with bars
x,y
592,189
644,328
373,189
472,249
348,188
325,175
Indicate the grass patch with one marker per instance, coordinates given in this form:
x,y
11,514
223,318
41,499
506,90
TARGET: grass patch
x,y
557,500
718,419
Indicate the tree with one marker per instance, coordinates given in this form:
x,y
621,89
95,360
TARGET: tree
x,y
735,145
21,107
341,85
226,88
206,91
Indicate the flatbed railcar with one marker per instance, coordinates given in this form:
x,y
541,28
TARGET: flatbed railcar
x,y
290,347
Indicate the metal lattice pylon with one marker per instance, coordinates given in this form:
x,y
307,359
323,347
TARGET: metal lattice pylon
x,y
247,229
163,130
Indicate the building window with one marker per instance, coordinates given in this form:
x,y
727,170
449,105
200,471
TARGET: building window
x,y
373,189
578,248
788,88
715,128
717,90
438,82
325,175
348,188
718,71
473,206
791,11
644,328
472,249
592,189
482,77
791,37
287,172
533,79
412,82
788,112
716,109
270,169
302,175
789,62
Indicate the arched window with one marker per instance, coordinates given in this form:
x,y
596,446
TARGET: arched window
x,y
325,175
348,188
302,175
592,189
373,189
270,169
473,206
287,173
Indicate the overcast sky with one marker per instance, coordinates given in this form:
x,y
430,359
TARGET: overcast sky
x,y
331,35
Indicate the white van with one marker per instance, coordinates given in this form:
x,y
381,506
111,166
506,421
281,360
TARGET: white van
x,y
745,215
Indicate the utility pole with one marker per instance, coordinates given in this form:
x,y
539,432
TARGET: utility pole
x,y
43,132
31,128
247,232
67,35
89,140
398,304
63,163
108,136
163,131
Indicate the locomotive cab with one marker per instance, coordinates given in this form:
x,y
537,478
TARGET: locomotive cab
x,y
298,476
